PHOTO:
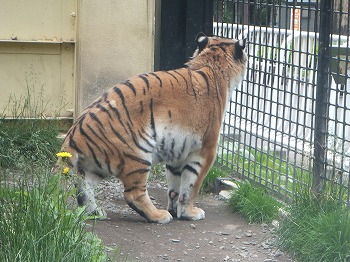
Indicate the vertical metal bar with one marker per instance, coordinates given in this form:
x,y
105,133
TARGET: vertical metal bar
x,y
322,91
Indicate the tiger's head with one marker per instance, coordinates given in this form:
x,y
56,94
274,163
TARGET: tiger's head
x,y
225,55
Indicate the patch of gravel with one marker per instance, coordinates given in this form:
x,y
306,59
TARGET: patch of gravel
x,y
221,236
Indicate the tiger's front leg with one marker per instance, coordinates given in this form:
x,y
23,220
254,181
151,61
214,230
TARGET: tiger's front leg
x,y
192,176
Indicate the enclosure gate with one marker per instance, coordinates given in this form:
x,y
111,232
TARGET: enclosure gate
x,y
288,125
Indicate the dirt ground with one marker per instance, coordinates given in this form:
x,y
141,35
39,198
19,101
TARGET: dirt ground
x,y
221,236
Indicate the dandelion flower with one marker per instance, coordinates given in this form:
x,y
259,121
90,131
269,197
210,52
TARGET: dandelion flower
x,y
66,170
64,154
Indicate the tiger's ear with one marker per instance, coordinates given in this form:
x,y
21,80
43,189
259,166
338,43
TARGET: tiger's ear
x,y
241,43
239,47
202,41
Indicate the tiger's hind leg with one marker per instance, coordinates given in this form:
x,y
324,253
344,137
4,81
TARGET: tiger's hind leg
x,y
136,195
173,176
86,194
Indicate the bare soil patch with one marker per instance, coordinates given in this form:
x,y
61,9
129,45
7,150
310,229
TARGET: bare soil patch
x,y
221,236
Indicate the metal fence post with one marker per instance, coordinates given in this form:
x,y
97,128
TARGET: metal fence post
x,y
322,97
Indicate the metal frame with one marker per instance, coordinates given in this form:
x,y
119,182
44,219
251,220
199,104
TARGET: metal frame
x,y
288,125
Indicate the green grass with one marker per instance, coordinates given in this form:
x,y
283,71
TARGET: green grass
x,y
37,221
27,142
208,184
265,168
38,225
254,203
316,229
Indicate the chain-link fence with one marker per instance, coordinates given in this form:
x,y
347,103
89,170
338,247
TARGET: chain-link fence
x,y
288,125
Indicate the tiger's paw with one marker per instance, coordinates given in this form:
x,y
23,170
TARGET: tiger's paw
x,y
193,213
161,217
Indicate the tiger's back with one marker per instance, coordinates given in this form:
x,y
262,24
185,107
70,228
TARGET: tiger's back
x,y
167,116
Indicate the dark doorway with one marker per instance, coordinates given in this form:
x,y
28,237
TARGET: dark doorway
x,y
181,20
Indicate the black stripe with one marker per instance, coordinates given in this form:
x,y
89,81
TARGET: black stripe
x,y
138,171
98,136
141,107
175,71
153,126
129,189
144,132
94,103
140,160
174,170
82,131
108,162
117,134
126,190
172,153
116,112
183,146
104,96
120,94
191,169
95,118
104,110
94,156
134,138
131,86
172,76
197,163
205,78
120,166
160,80
145,139
72,144
145,80
139,211
162,144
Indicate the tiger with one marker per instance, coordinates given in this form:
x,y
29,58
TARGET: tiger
x,y
172,117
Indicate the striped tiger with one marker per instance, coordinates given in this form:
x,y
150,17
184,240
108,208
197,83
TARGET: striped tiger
x,y
172,117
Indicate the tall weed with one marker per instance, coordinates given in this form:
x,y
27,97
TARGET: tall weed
x,y
37,224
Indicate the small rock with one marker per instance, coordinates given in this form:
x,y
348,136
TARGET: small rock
x,y
243,255
278,253
238,237
227,258
265,246
193,226
224,233
249,233
175,240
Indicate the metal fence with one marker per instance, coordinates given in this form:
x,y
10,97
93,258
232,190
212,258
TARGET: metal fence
x,y
288,125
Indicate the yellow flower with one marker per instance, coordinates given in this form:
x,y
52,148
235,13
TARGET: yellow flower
x,y
66,170
64,154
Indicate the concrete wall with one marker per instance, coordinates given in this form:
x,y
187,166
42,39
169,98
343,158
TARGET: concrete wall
x,y
115,42
65,53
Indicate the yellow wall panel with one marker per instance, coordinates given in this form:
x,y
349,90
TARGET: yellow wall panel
x,y
43,72
43,20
